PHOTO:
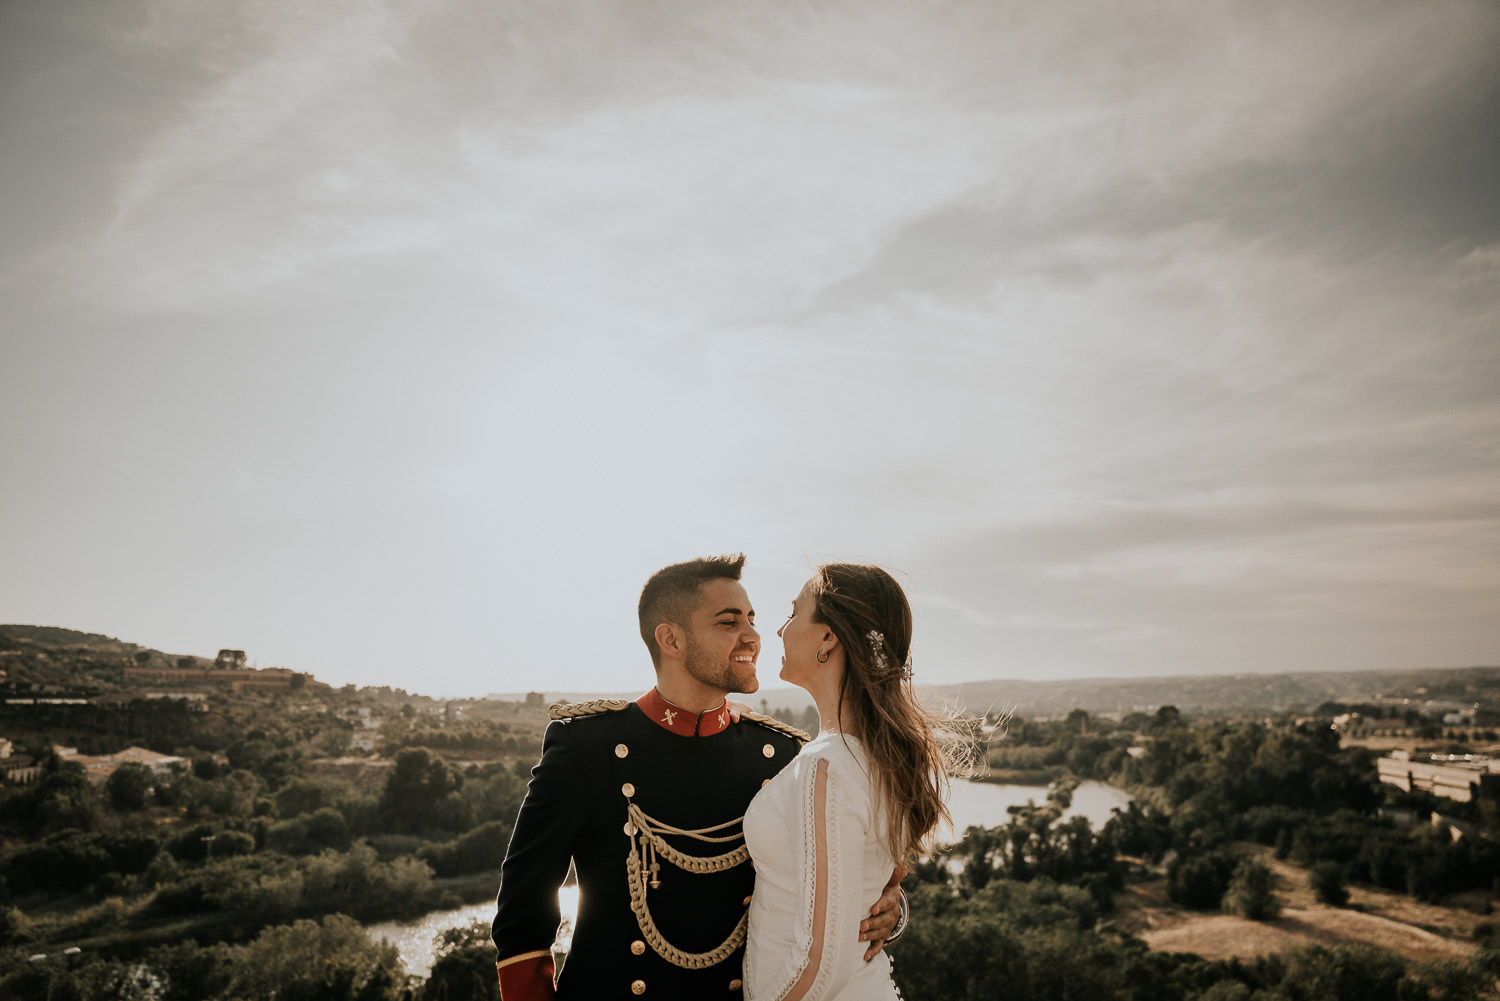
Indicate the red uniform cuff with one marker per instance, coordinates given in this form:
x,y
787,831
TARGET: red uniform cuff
x,y
527,977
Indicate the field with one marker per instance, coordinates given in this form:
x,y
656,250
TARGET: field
x,y
1390,921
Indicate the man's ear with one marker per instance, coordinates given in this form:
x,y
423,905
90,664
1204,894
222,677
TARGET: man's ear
x,y
670,639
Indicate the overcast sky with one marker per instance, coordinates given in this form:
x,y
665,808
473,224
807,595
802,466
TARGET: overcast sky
x,y
400,342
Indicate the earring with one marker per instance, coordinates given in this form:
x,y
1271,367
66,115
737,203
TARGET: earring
x,y
823,658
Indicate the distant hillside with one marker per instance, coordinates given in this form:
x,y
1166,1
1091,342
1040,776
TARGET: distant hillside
x,y
55,659
1236,693
13,637
1276,693
54,655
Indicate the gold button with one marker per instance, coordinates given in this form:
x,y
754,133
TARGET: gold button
x,y
764,783
734,984
621,750
628,789
637,947
768,751
638,987
748,899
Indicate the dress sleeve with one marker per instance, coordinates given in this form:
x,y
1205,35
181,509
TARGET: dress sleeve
x,y
832,822
536,863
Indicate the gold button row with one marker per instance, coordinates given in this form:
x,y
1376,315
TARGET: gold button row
x,y
639,986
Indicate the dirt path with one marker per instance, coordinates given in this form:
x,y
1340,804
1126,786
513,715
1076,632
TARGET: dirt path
x,y
1389,921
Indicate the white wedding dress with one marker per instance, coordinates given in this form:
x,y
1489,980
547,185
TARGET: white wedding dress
x,y
812,832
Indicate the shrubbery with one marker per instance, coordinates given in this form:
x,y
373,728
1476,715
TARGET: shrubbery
x,y
1327,882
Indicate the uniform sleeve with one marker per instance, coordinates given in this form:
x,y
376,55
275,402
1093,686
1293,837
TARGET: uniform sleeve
x,y
832,823
536,863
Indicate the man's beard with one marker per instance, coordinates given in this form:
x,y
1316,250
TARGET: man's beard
x,y
703,668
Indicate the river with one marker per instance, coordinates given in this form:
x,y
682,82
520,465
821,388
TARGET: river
x,y
973,804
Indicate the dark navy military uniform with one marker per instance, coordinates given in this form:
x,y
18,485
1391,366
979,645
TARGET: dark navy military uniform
x,y
637,793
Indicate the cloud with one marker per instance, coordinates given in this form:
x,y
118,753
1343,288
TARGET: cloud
x,y
1124,329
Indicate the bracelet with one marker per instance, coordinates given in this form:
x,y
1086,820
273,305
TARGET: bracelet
x,y
901,916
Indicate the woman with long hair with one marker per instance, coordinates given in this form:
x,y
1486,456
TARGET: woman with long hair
x,y
862,798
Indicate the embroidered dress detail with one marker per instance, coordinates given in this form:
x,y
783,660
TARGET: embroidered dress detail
x,y
819,863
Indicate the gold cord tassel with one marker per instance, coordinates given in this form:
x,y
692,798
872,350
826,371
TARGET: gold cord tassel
x,y
643,871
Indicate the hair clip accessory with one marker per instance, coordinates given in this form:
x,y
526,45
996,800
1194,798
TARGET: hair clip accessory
x,y
877,654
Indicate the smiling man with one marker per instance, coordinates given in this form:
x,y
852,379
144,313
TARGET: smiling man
x,y
646,799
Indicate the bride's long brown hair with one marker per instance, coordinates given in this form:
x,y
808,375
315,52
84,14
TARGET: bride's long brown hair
x,y
868,612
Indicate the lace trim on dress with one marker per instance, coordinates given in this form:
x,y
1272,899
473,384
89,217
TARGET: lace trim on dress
x,y
830,814
815,866
792,971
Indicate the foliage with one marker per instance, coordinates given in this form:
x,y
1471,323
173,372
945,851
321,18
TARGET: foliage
x,y
73,860
1037,940
234,794
128,787
327,960
204,841
421,793
310,832
1199,880
306,795
15,926
465,966
1327,882
64,799
1251,893
1342,973
480,850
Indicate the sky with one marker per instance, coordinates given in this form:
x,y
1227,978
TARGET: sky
x,y
399,342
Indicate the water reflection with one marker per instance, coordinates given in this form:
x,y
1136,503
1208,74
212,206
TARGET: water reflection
x,y
416,941
986,804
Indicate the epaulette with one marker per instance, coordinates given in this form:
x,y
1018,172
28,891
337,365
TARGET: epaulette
x,y
771,723
573,710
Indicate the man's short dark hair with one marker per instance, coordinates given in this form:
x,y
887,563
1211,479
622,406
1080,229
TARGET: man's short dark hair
x,y
670,593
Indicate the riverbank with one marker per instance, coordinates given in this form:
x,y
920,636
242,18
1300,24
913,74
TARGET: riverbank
x,y
1021,776
123,928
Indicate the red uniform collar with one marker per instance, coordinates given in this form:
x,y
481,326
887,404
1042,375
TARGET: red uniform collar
x,y
680,721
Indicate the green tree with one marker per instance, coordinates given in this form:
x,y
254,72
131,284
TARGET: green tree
x,y
1251,893
306,795
64,799
417,783
310,832
129,787
1327,882
1166,718
1199,881
465,966
328,960
1342,973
